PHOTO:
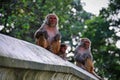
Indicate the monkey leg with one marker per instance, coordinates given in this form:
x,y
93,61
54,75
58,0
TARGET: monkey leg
x,y
90,68
55,46
97,76
89,65
41,41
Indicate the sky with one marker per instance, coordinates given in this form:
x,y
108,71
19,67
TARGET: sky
x,y
94,6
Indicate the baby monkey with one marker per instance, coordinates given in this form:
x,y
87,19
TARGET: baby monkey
x,y
62,53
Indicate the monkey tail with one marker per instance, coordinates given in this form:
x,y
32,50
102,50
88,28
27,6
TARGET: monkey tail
x,y
97,76
89,65
90,68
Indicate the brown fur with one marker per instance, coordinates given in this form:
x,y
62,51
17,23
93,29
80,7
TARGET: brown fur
x,y
48,36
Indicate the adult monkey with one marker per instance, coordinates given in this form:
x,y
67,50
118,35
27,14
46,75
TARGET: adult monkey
x,y
48,35
83,56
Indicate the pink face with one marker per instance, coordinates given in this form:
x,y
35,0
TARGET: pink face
x,y
87,44
63,49
52,19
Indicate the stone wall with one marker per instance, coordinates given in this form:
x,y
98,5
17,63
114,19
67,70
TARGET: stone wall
x,y
21,60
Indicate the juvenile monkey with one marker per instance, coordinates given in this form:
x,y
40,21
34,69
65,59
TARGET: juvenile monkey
x,y
62,53
83,56
48,35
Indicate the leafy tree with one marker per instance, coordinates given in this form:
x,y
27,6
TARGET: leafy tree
x,y
21,18
111,14
102,31
103,44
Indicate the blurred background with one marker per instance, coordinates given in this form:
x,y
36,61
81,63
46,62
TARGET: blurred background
x,y
21,18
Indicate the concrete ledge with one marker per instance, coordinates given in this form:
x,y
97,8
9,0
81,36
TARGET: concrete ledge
x,y
21,74
18,55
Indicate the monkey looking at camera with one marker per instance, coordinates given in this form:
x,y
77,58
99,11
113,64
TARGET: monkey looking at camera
x,y
82,52
83,56
62,53
48,35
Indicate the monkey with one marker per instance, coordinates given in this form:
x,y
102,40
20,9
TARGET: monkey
x,y
84,58
48,35
82,52
62,52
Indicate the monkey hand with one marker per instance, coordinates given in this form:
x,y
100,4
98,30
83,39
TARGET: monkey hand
x,y
57,37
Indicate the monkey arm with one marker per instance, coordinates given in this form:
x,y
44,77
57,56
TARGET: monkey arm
x,y
79,58
41,38
57,37
37,34
41,33
87,55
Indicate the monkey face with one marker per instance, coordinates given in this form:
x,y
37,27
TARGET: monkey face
x,y
52,20
85,43
63,49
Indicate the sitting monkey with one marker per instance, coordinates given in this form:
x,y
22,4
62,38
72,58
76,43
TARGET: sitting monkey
x,y
62,53
83,56
48,35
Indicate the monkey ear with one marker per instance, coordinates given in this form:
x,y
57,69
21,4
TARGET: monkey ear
x,y
79,41
46,19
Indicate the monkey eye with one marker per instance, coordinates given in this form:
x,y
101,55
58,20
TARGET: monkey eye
x,y
52,17
87,42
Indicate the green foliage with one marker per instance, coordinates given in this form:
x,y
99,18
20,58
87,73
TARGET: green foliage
x,y
112,61
103,45
21,18
106,55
